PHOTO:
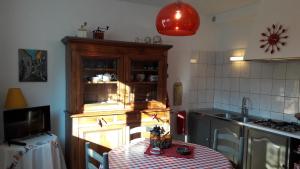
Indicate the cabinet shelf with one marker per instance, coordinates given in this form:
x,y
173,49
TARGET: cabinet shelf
x,y
101,83
144,70
143,83
100,69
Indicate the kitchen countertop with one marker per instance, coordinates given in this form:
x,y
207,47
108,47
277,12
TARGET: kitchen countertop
x,y
213,112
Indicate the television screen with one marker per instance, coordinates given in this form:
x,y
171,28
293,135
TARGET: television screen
x,y
20,123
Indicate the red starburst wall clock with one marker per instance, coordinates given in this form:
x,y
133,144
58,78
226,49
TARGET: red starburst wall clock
x,y
273,39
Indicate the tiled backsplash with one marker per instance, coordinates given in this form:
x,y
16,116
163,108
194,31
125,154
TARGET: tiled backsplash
x,y
201,93
272,88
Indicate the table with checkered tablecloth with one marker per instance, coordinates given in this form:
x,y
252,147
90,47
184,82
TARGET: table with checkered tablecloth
x,y
132,156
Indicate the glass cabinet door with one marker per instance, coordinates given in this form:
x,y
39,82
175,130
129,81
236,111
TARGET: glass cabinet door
x,y
144,80
102,84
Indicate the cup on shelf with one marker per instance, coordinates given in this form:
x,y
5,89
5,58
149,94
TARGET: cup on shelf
x,y
100,77
113,77
157,40
106,77
153,78
95,79
140,77
147,40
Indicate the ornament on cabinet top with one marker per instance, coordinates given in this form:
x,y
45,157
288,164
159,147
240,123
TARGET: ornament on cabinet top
x,y
82,31
99,32
274,39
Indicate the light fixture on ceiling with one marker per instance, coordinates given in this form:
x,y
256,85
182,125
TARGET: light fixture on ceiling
x,y
177,19
237,55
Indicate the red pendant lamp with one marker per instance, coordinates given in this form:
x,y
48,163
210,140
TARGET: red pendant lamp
x,y
177,19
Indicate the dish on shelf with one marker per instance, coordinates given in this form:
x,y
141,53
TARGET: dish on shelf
x,y
140,77
153,78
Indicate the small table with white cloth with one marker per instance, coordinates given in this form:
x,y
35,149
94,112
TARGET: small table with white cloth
x,y
41,152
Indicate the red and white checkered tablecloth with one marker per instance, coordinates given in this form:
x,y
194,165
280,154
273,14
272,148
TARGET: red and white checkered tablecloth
x,y
132,156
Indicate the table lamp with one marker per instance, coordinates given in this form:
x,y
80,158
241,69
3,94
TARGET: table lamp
x,y
15,99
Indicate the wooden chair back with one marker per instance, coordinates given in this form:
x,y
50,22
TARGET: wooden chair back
x,y
229,144
136,130
92,154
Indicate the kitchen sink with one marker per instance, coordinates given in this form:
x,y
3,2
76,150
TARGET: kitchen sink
x,y
244,119
227,115
235,117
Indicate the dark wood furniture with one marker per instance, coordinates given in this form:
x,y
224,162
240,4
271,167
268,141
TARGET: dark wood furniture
x,y
112,86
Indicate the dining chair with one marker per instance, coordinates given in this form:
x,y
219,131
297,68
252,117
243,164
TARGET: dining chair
x,y
92,154
136,130
230,145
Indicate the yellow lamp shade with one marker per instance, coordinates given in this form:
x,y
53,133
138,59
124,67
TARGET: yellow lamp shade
x,y
15,99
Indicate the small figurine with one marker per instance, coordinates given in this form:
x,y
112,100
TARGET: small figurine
x,y
99,32
82,31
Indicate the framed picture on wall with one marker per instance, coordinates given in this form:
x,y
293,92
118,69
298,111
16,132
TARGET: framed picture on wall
x,y
32,65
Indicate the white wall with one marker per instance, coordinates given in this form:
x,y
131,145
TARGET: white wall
x,y
41,24
235,27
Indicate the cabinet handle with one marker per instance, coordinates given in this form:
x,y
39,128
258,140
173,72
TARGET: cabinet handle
x,y
99,122
155,117
206,139
104,120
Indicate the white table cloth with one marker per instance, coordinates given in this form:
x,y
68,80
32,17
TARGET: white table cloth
x,y
41,152
132,157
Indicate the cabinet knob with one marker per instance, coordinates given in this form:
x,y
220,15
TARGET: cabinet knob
x,y
154,116
100,121
206,139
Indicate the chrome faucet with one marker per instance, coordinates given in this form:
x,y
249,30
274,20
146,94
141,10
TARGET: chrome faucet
x,y
244,107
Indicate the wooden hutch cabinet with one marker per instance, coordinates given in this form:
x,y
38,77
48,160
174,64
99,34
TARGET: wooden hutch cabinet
x,y
112,86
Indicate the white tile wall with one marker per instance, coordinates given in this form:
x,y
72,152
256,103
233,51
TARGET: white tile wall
x,y
234,84
265,86
293,71
292,88
273,88
277,104
202,83
279,70
255,86
278,87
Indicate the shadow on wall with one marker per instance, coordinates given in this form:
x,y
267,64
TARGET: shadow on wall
x,y
2,94
58,126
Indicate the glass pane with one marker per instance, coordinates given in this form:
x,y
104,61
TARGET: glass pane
x,y
144,80
102,90
144,71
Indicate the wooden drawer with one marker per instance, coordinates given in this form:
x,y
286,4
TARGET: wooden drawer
x,y
112,119
109,136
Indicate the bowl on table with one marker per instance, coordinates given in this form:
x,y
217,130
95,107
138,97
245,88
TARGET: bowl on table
x,y
183,150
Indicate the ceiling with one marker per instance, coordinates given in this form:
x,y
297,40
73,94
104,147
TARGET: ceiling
x,y
209,7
